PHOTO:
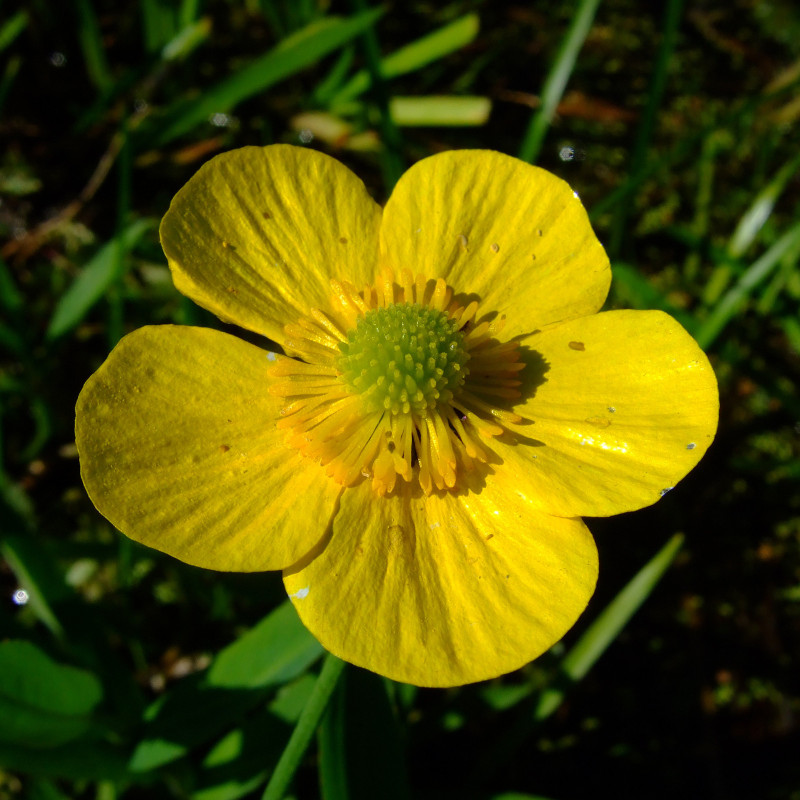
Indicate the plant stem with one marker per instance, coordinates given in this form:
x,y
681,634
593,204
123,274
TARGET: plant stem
x,y
301,736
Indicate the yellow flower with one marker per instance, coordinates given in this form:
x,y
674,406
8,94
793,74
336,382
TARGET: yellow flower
x,y
450,404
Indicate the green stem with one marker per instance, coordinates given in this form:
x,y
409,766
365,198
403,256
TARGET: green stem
x,y
391,161
304,730
556,80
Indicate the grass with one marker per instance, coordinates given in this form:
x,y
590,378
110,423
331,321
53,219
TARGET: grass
x,y
677,127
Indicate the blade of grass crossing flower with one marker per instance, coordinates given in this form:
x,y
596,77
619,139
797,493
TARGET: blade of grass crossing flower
x,y
411,57
391,153
304,730
360,756
94,280
94,54
557,78
644,134
292,55
730,304
605,629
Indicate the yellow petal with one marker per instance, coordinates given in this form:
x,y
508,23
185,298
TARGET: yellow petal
x,y
179,450
627,406
512,234
257,233
446,589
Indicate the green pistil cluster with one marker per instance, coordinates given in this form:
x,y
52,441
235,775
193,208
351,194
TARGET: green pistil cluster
x,y
405,358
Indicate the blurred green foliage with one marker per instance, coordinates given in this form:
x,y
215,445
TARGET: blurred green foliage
x,y
126,674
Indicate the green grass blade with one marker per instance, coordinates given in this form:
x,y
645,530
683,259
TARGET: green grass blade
x,y
98,275
605,629
644,134
293,55
304,730
732,301
186,40
391,152
12,28
187,15
556,80
440,111
761,208
414,56
94,53
360,753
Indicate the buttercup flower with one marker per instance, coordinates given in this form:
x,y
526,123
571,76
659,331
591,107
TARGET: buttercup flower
x,y
449,404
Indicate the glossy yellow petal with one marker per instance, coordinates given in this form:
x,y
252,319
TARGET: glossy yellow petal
x,y
627,406
446,589
179,450
510,233
257,233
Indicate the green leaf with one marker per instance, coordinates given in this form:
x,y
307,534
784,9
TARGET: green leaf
x,y
413,56
94,280
201,707
79,760
605,629
440,111
730,304
761,208
557,77
12,28
292,55
276,650
43,703
359,743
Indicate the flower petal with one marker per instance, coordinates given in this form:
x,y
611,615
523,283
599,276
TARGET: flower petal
x,y
446,589
494,226
257,233
179,450
627,406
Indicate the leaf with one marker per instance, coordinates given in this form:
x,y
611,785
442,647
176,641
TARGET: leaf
x,y
414,56
440,111
293,54
201,707
605,629
359,743
79,760
94,280
43,703
276,650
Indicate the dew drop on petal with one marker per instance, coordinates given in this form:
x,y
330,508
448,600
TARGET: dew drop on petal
x,y
691,446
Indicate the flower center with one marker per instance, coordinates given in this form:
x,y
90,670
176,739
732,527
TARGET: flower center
x,y
396,380
404,358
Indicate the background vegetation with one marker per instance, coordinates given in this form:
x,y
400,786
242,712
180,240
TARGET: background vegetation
x,y
124,673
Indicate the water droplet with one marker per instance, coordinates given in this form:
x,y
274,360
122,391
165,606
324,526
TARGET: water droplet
x,y
580,346
495,248
599,422
612,410
20,597
305,136
691,446
668,489
272,356
462,241
343,239
58,59
219,120
566,153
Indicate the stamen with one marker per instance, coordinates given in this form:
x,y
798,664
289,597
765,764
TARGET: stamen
x,y
396,380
